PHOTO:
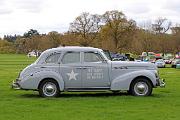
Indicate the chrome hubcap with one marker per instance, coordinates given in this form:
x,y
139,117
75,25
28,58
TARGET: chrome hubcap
x,y
49,89
141,88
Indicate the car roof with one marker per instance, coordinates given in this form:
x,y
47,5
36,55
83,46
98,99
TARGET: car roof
x,y
64,49
72,48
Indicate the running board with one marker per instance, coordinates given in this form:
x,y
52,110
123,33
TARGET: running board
x,y
87,89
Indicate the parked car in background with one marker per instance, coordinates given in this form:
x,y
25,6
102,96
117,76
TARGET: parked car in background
x,y
34,53
168,58
160,63
167,61
175,62
118,57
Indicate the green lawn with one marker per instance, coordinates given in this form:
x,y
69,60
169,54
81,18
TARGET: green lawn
x,y
164,104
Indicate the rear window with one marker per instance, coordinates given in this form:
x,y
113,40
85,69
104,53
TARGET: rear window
x,y
53,58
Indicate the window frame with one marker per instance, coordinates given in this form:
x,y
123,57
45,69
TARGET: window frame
x,y
95,52
61,61
54,53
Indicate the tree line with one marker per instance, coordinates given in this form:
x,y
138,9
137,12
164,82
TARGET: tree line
x,y
111,31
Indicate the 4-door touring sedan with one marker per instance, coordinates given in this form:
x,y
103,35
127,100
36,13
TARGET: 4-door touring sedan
x,y
86,69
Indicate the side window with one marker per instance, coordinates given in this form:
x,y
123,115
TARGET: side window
x,y
53,58
92,57
71,57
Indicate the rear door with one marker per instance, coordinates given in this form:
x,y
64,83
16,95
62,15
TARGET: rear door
x,y
70,69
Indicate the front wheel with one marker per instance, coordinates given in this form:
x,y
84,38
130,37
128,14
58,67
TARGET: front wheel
x,y
141,87
49,88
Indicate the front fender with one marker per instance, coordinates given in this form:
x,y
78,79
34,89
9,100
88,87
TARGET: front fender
x,y
32,81
123,82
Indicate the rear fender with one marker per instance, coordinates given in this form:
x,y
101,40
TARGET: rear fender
x,y
32,81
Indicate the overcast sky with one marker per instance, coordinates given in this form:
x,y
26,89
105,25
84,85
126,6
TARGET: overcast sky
x,y
18,16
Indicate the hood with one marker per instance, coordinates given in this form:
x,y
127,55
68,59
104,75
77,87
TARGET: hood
x,y
133,65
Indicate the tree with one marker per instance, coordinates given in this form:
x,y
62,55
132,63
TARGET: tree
x,y
31,33
117,29
86,26
161,25
28,42
10,38
55,38
6,47
20,45
176,29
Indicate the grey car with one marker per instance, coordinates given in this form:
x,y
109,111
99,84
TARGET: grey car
x,y
86,69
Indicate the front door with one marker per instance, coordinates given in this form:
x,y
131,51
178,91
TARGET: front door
x,y
95,72
70,69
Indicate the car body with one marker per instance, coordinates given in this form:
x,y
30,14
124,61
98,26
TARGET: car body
x,y
86,69
175,62
160,63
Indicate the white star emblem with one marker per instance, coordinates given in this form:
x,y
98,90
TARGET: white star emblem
x,y
72,75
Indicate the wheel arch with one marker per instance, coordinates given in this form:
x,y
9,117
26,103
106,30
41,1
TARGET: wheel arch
x,y
141,77
60,85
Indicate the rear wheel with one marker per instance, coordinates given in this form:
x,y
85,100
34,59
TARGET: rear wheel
x,y
141,87
49,88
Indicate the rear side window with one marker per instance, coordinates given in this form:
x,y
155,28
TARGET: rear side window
x,y
53,58
71,57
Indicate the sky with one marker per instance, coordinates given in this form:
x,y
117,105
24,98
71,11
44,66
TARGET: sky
x,y
18,16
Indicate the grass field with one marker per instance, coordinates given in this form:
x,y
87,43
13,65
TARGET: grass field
x,y
164,104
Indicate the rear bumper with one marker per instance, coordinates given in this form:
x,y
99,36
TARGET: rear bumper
x,y
15,85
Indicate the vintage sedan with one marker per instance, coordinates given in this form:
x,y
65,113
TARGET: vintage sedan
x,y
160,63
86,69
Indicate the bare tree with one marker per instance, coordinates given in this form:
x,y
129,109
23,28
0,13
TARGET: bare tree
x,y
86,26
161,25
118,29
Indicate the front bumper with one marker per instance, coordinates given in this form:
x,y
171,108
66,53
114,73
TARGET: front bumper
x,y
162,83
